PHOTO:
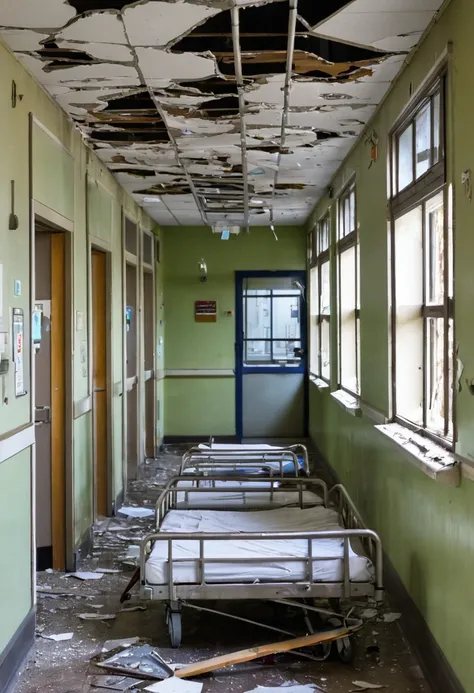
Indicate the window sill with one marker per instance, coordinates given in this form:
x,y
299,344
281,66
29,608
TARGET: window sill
x,y
319,382
433,460
348,402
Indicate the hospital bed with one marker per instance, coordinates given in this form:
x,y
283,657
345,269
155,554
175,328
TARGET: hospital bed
x,y
285,538
262,460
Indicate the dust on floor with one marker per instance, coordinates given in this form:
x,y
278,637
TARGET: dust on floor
x,y
382,655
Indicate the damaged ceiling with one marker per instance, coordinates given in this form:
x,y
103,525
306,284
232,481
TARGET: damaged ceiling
x,y
218,111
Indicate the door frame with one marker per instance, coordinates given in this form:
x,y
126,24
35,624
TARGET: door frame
x,y
149,270
240,369
94,245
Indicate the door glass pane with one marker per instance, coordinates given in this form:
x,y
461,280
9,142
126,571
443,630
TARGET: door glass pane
x,y
435,409
435,250
257,317
405,158
257,352
286,317
284,350
423,140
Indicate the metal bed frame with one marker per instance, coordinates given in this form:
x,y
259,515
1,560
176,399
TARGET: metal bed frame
x,y
175,594
203,461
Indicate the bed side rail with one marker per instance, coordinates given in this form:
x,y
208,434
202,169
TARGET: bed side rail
x,y
200,561
204,459
249,486
299,448
340,499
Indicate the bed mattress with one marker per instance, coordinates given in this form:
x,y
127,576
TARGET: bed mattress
x,y
262,497
274,568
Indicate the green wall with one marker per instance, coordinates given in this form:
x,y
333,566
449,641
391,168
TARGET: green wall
x,y
61,165
426,528
199,404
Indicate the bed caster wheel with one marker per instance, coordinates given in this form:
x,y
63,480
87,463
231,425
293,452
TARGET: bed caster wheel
x,y
345,650
173,621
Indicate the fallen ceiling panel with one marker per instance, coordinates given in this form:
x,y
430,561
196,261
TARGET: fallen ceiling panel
x,y
202,119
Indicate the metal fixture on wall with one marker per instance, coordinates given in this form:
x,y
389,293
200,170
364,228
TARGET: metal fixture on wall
x,y
13,222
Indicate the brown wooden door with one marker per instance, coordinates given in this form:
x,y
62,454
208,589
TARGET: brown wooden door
x,y
99,379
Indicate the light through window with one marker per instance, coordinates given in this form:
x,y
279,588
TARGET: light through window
x,y
320,361
348,293
422,316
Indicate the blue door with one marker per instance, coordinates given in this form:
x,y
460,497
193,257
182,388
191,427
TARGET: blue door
x,y
271,354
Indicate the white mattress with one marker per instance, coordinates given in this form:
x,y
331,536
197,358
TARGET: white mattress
x,y
282,519
215,499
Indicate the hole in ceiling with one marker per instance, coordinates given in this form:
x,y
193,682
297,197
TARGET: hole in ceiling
x,y
90,5
215,108
165,189
271,18
61,58
207,86
140,101
135,172
129,137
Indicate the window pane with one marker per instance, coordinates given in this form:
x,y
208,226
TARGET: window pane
x,y
435,250
405,158
449,404
257,352
352,222
284,350
325,349
286,317
409,322
324,234
257,317
325,307
423,140
347,216
435,409
436,106
314,329
348,331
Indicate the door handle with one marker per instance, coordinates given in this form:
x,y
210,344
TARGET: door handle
x,y
100,389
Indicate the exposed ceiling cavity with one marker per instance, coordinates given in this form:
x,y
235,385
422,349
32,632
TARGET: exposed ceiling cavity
x,y
218,111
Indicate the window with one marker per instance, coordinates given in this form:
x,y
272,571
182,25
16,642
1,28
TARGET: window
x,y
422,277
320,299
348,293
272,326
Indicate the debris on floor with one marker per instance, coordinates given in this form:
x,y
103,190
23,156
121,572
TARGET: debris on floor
x,y
136,512
138,660
85,576
96,616
175,685
381,655
365,686
58,637
261,651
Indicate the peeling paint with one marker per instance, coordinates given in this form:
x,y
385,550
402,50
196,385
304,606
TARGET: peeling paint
x,y
152,86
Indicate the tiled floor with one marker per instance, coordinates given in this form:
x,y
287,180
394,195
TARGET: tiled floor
x,y
381,654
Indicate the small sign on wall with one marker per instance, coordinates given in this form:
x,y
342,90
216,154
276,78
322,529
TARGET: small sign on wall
x,y
205,311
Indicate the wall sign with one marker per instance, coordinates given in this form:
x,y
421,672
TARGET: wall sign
x,y
205,311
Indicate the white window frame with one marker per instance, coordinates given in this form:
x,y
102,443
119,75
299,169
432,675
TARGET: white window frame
x,y
348,240
320,243
417,197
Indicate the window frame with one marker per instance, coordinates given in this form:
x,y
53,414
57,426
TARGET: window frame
x,y
346,241
417,195
319,257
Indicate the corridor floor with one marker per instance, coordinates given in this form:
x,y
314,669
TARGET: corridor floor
x,y
382,656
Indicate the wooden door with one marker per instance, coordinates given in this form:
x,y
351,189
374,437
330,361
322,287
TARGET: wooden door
x,y
99,379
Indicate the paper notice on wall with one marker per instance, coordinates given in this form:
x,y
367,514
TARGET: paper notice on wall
x,y
18,350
